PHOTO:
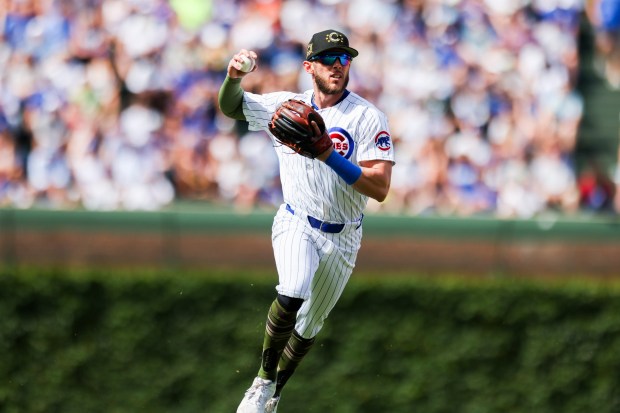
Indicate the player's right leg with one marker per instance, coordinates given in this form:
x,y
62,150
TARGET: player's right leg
x,y
278,330
327,288
294,352
280,325
296,259
329,280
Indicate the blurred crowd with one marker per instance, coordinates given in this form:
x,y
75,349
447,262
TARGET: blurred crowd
x,y
112,104
604,15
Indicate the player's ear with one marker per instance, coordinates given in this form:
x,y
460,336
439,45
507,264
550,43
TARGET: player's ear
x,y
308,67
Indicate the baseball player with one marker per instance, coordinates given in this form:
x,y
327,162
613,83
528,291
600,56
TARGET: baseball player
x,y
317,231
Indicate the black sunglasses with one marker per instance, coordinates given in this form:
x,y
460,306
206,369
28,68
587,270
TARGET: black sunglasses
x,y
330,59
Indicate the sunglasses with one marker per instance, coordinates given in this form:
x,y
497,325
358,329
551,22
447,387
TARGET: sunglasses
x,y
330,59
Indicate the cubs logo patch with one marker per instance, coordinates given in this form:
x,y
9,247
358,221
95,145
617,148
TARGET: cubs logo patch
x,y
334,37
342,140
383,142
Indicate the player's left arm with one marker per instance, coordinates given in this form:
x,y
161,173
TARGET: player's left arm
x,y
372,175
371,178
375,179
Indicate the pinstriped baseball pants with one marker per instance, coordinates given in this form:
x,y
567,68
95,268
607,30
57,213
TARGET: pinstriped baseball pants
x,y
312,265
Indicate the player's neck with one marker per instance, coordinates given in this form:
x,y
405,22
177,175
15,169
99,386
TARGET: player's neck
x,y
322,100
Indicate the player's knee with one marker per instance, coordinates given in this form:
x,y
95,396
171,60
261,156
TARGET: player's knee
x,y
290,303
305,341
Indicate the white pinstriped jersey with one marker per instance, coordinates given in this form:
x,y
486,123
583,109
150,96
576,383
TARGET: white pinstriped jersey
x,y
359,131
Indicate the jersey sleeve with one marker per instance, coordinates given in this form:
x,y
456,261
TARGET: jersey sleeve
x,y
375,142
258,109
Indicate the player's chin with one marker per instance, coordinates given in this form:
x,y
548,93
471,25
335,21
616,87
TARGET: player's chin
x,y
337,85
343,82
337,82
332,85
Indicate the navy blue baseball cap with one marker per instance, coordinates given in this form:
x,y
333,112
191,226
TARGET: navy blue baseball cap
x,y
329,40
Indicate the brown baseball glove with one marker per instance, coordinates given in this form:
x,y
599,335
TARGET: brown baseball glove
x,y
298,126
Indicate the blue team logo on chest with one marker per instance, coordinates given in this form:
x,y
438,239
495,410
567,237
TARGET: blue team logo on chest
x,y
342,140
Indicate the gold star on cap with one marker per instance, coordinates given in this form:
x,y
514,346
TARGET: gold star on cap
x,y
334,37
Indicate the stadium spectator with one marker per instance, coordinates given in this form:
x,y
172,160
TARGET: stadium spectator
x,y
112,104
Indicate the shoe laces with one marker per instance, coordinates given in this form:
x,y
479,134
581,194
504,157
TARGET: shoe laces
x,y
272,404
258,392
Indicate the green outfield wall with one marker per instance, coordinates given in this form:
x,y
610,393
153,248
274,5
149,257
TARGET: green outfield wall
x,y
207,237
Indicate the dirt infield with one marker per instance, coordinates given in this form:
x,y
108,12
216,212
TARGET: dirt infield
x,y
101,249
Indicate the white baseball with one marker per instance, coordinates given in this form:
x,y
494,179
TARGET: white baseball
x,y
248,63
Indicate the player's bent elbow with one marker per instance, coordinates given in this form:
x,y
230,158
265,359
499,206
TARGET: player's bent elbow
x,y
375,183
384,190
379,194
233,113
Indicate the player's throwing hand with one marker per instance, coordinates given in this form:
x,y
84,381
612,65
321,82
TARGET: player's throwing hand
x,y
242,63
